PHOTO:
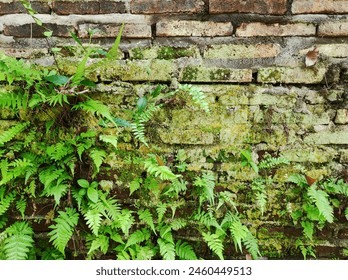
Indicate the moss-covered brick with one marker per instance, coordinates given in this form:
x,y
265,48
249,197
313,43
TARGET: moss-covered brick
x,y
163,52
291,75
212,74
238,51
326,137
189,136
310,154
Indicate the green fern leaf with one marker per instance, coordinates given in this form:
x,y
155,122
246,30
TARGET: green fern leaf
x,y
125,221
250,243
308,229
206,186
161,209
239,233
145,253
137,237
100,242
167,249
177,224
111,139
207,219
111,207
63,228
19,241
321,200
346,213
146,217
93,217
184,251
214,243
9,134
80,70
21,205
113,52
6,201
163,172
98,157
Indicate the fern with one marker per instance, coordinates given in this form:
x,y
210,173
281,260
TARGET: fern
x,y
161,209
19,241
206,186
97,108
163,172
63,228
113,52
100,242
97,157
251,244
6,201
111,139
146,216
308,229
197,96
125,221
167,249
184,251
207,219
214,243
238,232
138,237
271,162
8,135
177,224
13,100
93,217
259,190
21,205
320,199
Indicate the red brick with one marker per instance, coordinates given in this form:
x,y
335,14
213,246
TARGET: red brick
x,y
35,31
248,6
319,6
17,8
166,7
333,28
88,7
193,28
262,29
111,30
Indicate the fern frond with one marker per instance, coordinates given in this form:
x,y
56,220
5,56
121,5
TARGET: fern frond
x,y
146,217
13,100
177,224
163,172
125,221
250,243
207,219
271,162
21,205
100,242
167,249
214,243
97,157
321,200
9,134
197,96
6,201
113,52
137,237
161,209
206,185
93,218
238,232
308,229
184,251
63,228
112,208
138,130
19,241
111,139
179,186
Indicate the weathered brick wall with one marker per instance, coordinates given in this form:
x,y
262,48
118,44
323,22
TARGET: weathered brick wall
x,y
247,56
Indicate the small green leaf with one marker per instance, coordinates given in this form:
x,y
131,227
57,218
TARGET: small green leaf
x,y
141,104
76,39
48,34
83,183
92,194
57,79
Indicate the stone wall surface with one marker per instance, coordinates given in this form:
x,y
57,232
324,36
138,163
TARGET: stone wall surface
x,y
248,57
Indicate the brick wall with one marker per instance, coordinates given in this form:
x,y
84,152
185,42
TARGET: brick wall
x,y
247,56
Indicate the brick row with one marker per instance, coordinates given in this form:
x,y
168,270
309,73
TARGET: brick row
x,y
319,6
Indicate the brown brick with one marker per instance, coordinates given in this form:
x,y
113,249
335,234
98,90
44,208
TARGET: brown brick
x,y
193,28
110,7
17,8
319,6
111,30
35,31
248,6
88,7
262,29
166,7
333,28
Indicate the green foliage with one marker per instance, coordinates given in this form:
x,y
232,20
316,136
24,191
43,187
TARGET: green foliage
x,y
63,228
18,241
215,243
